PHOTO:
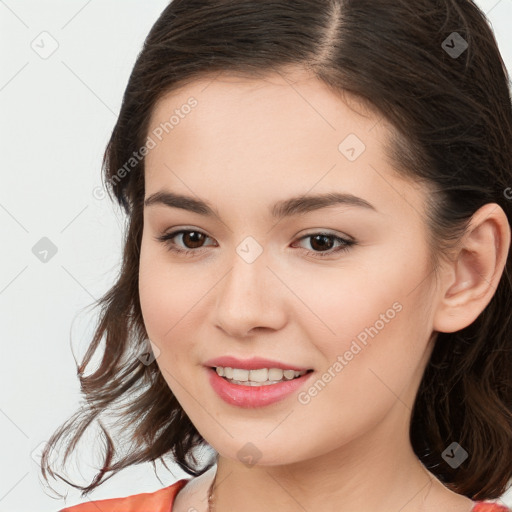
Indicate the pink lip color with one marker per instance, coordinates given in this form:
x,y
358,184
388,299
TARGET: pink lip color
x,y
250,397
251,364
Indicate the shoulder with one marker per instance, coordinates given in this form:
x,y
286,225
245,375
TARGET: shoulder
x,y
489,506
158,501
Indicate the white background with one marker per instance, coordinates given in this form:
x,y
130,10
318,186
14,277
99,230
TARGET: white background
x,y
56,117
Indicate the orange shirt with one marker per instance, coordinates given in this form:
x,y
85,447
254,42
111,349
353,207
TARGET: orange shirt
x,y
159,501
163,499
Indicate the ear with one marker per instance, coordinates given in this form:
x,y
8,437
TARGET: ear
x,y
470,279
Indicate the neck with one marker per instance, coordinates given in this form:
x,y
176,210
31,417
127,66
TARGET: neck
x,y
368,474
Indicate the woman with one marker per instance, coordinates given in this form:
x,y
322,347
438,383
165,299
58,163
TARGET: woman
x,y
316,273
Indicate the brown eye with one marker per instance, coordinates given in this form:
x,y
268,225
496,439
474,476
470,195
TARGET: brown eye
x,y
192,239
322,242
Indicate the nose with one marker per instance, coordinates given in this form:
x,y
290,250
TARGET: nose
x,y
250,298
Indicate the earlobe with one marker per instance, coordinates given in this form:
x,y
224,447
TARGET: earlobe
x,y
472,277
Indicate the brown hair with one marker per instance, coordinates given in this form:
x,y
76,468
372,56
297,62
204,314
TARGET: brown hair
x,y
452,129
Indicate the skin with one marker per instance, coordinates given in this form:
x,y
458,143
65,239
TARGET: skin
x,y
247,144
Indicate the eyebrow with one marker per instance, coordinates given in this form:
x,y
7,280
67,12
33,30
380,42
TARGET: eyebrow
x,y
298,205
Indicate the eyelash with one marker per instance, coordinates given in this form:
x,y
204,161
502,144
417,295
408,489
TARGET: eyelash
x,y
171,246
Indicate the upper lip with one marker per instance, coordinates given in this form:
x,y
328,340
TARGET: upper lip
x,y
252,364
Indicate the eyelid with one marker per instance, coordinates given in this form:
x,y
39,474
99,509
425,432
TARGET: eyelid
x,y
327,232
347,242
310,232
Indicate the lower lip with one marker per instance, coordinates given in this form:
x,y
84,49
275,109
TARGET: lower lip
x,y
254,396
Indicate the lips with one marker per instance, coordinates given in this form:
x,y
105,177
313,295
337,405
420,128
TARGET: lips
x,y
253,363
250,397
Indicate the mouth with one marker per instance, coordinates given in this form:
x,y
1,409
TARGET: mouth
x,y
258,376
257,387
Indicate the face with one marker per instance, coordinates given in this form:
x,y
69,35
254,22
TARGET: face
x,y
345,290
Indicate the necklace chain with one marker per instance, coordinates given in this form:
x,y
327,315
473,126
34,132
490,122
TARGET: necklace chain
x,y
211,506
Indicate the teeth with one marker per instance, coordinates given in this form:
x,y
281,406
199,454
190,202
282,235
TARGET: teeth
x,y
260,375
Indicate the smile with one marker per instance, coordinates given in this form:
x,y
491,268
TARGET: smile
x,y
251,394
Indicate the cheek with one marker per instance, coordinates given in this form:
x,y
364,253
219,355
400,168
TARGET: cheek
x,y
172,301
340,304
375,316
160,304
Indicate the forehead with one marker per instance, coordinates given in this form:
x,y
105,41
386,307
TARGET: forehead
x,y
262,105
281,133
